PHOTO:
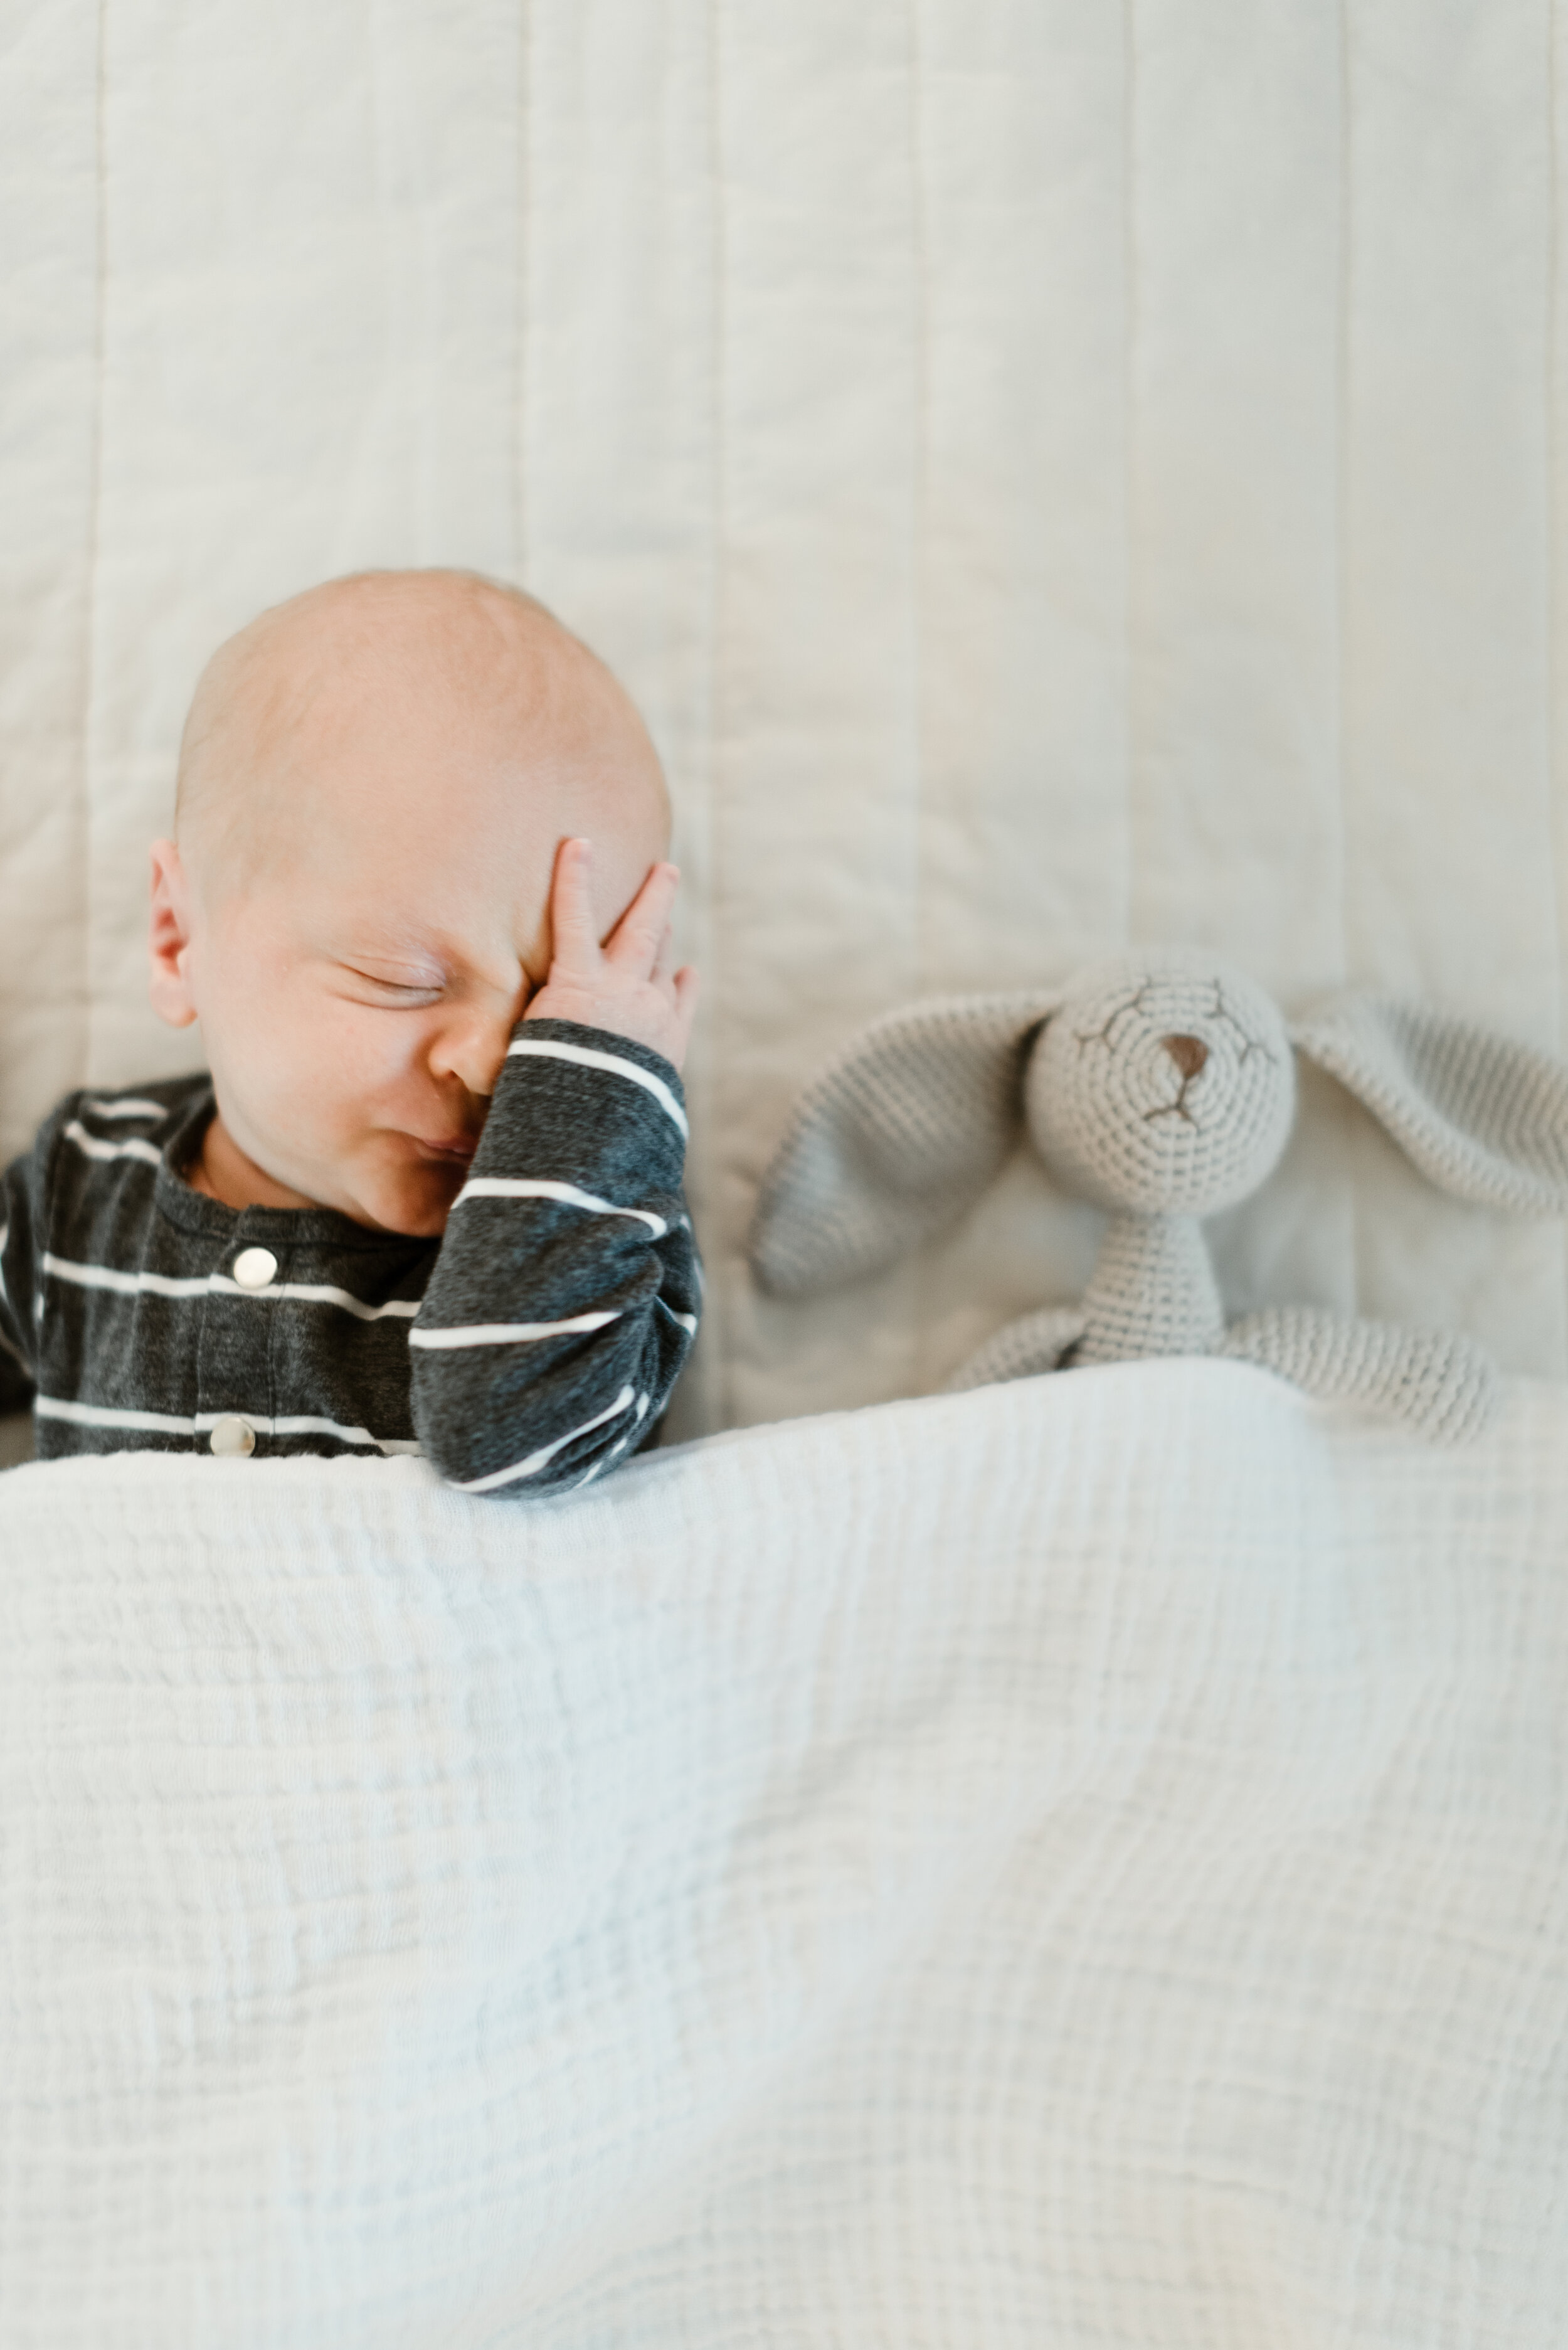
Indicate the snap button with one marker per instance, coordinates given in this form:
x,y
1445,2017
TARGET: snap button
x,y
232,1438
254,1267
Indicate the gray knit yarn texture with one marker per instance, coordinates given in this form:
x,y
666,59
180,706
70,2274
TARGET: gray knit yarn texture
x,y
1480,1117
1161,1085
1440,1383
1130,1121
1036,1342
914,1115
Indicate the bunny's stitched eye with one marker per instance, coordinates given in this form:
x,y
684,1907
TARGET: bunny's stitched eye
x,y
1103,1035
1250,1044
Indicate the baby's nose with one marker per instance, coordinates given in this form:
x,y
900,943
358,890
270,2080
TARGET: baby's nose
x,y
1188,1053
472,1050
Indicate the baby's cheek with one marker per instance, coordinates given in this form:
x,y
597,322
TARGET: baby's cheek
x,y
376,1066
314,1071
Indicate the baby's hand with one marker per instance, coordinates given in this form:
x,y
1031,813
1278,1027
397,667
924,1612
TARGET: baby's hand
x,y
625,985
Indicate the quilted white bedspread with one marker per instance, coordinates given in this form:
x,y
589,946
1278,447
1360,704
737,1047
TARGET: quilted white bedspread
x,y
1082,1862
1054,472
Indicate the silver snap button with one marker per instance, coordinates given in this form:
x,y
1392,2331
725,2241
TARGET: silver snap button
x,y
232,1438
254,1268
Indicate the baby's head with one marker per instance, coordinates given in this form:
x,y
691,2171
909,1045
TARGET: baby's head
x,y
374,781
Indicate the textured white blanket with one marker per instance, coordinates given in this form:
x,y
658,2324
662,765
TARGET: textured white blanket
x,y
1081,1862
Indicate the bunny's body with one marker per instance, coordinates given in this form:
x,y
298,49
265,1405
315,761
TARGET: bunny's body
x,y
1161,1086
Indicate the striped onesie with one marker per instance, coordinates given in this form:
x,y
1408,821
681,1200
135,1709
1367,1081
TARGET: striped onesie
x,y
532,1345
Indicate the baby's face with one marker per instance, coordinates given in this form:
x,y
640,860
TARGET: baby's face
x,y
384,920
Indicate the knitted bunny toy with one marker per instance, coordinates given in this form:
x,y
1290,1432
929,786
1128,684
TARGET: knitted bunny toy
x,y
1161,1086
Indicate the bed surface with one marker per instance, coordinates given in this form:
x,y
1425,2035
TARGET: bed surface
x,y
1052,474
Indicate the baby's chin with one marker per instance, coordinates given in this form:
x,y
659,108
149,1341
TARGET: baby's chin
x,y
382,1179
400,1193
416,1205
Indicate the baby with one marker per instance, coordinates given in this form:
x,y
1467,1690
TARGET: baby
x,y
428,1199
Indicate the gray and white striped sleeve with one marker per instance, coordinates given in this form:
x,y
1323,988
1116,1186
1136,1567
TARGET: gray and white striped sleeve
x,y
565,1298
23,1229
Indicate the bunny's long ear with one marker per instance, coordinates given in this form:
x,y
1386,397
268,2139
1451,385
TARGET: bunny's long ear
x,y
904,1127
1480,1116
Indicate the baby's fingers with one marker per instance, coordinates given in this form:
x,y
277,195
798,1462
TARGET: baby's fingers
x,y
575,938
636,942
685,1010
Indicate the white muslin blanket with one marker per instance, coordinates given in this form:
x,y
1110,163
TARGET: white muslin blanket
x,y
1078,1863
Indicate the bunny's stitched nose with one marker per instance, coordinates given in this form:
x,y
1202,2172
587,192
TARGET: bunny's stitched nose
x,y
1188,1053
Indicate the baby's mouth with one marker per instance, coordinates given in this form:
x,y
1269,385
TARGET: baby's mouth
x,y
446,1150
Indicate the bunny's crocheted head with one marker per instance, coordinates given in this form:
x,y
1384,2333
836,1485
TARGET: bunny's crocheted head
x,y
1161,1085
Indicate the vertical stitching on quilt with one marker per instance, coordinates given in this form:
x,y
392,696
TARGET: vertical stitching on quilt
x,y
1341,571
919,330
523,200
1130,453
716,1395
1557,829
94,537
1342,486
920,501
1556,818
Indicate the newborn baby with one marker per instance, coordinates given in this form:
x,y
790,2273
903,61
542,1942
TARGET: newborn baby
x,y
428,1199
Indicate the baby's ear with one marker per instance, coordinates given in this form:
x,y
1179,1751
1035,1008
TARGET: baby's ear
x,y
905,1127
168,936
1481,1115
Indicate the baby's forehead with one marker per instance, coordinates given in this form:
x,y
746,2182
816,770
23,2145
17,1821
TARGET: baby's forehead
x,y
464,654
381,704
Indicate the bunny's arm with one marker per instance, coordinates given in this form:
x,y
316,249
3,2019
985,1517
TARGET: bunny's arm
x,y
1441,1384
1036,1342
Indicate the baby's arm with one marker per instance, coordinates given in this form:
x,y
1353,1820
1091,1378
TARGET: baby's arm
x,y
21,1225
565,1297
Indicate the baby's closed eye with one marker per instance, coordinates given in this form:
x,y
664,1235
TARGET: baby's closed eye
x,y
378,987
